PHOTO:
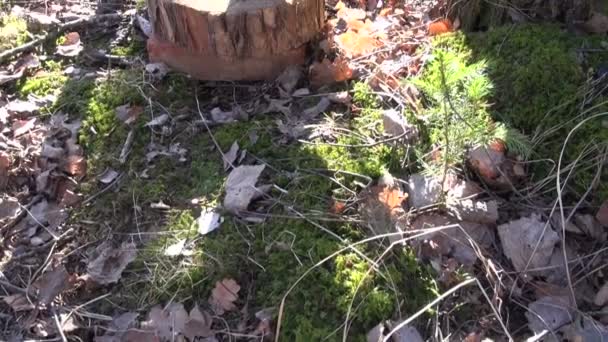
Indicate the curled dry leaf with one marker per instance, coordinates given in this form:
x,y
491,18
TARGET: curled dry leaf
x,y
71,46
208,221
601,297
20,127
230,156
224,295
107,267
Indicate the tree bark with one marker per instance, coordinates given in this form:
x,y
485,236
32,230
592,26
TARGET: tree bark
x,y
235,39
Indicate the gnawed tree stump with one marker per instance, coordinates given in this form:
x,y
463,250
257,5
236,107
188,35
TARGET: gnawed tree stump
x,y
233,39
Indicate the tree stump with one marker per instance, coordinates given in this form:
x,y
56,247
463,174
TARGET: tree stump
x,y
233,39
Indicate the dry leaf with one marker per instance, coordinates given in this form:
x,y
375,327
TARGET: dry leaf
x,y
208,221
167,323
51,284
20,127
128,114
107,267
158,121
198,325
108,176
601,297
550,312
72,45
423,190
178,248
328,72
75,166
601,216
18,302
598,23
520,237
224,295
337,207
240,187
230,156
439,27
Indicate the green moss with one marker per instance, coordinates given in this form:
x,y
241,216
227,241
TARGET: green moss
x,y
13,32
133,48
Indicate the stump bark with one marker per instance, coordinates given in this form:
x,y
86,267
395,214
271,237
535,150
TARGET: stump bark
x,y
233,39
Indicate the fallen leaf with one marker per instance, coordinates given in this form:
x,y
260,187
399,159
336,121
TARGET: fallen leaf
x,y
167,323
220,116
598,23
440,27
198,325
224,295
396,125
423,190
337,207
18,302
107,267
486,162
20,127
407,333
144,25
328,72
128,114
356,43
520,237
473,211
108,176
157,70
230,156
317,109
158,121
601,297
75,166
71,47
585,329
9,207
51,284
289,78
240,187
549,312
21,107
177,249
602,214
208,221
376,334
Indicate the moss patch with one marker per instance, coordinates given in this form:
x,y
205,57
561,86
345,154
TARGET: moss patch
x,y
13,32
540,86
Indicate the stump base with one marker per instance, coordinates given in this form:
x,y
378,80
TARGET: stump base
x,y
212,68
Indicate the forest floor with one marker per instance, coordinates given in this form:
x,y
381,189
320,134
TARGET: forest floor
x,y
412,182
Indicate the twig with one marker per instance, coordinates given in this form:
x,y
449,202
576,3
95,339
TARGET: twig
x,y
54,33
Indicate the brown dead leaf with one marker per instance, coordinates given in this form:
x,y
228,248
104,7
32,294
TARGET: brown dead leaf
x,y
51,284
107,267
75,166
336,207
128,114
440,27
224,295
598,23
328,72
198,325
167,323
5,163
18,302
392,198
20,127
601,216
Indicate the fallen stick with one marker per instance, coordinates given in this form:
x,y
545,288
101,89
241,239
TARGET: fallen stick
x,y
56,31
